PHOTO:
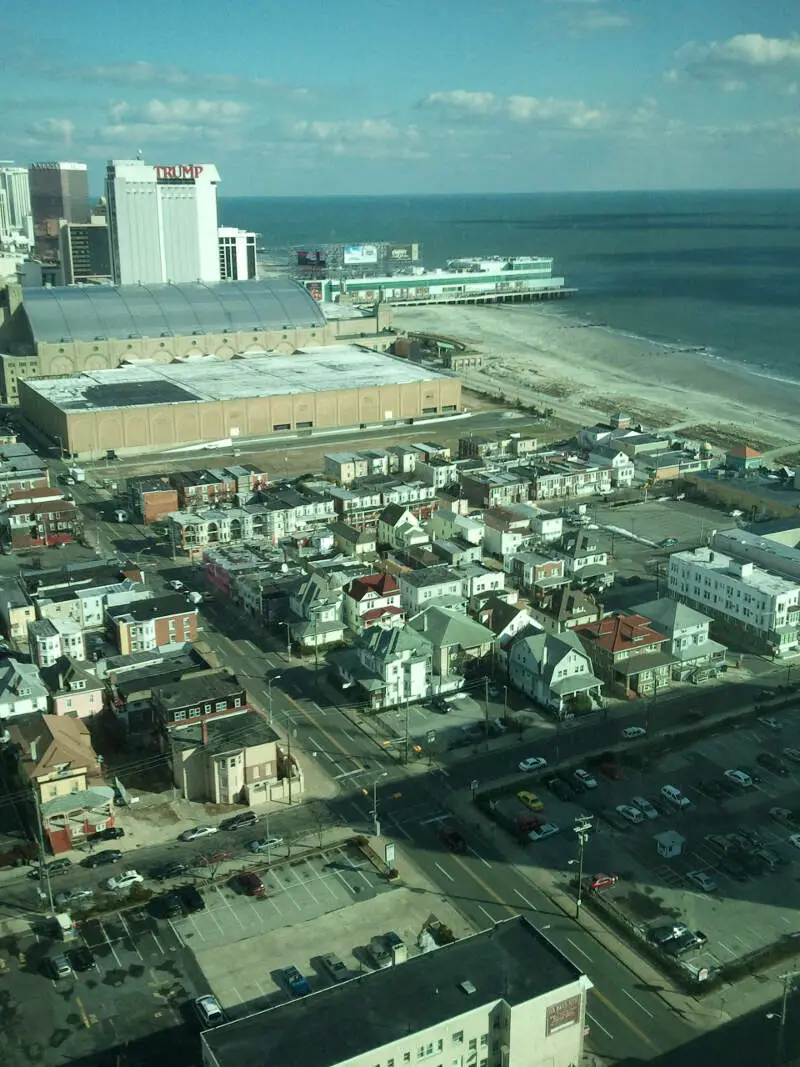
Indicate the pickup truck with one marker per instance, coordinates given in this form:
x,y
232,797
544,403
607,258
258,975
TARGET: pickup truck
x,y
297,982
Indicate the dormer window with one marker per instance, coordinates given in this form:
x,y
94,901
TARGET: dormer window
x,y
77,684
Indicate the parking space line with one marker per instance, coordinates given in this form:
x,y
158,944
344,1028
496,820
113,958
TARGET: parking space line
x,y
600,1025
444,872
477,855
526,901
399,827
128,931
110,945
325,879
230,908
722,945
491,918
638,1003
177,933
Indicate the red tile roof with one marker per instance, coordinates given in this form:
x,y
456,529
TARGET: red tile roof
x,y
382,584
378,613
620,633
744,452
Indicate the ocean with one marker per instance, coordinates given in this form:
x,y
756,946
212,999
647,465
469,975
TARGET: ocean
x,y
713,270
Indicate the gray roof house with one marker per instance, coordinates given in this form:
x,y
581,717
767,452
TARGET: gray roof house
x,y
22,690
553,669
698,657
455,639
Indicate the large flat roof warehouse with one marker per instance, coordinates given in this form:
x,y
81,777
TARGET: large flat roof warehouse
x,y
311,370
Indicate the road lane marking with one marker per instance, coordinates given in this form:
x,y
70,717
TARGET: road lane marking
x,y
435,818
82,1012
444,872
600,1025
577,948
323,731
477,855
399,827
525,899
638,1003
347,774
612,1007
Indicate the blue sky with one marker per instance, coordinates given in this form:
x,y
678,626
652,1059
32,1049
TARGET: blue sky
x,y
333,97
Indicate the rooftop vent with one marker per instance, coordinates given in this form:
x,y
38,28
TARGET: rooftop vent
x,y
467,987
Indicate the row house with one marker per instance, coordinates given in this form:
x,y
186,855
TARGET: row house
x,y
357,506
86,605
222,564
439,585
17,612
347,467
21,469
502,444
266,591
478,581
567,478
459,644
33,496
40,525
585,562
505,531
620,463
217,485
764,607
535,573
50,639
74,689
270,521
372,600
629,653
55,756
437,472
142,625
387,667
415,495
289,511
402,459
456,552
564,608
315,613
198,697
152,498
496,488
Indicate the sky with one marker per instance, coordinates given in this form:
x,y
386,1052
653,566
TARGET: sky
x,y
330,97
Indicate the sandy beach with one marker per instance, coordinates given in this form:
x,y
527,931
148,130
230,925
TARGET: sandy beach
x,y
588,372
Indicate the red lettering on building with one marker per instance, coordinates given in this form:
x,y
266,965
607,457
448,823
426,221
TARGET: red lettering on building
x,y
180,171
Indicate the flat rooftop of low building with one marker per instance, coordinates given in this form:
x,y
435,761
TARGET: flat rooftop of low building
x,y
512,962
155,608
204,688
238,729
208,379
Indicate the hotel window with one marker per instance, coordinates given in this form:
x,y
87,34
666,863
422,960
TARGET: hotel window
x,y
484,1040
473,1044
458,1037
220,705
406,1057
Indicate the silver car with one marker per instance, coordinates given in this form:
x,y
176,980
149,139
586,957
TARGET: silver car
x,y
265,844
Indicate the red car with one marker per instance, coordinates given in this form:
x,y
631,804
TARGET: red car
x,y
603,881
251,884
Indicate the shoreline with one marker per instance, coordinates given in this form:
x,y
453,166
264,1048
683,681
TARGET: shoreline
x,y
583,369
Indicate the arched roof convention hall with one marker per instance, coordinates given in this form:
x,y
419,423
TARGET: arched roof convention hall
x,y
100,313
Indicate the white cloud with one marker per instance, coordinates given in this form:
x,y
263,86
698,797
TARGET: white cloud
x,y
52,130
181,113
740,58
529,109
601,20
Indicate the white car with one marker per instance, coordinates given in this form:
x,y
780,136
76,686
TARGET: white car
x,y
265,844
633,731
588,781
739,778
533,763
675,796
209,1011
124,881
769,722
546,830
702,881
176,585
197,831
631,814
793,754
645,807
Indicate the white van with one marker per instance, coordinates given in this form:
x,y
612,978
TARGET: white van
x,y
66,929
675,796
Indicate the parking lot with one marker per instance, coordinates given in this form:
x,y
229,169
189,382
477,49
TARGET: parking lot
x,y
753,903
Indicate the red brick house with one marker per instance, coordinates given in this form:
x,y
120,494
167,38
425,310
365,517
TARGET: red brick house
x,y
37,525
373,600
152,498
143,625
628,652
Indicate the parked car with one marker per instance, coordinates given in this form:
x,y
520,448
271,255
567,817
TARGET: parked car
x,y
627,811
731,866
169,870
772,763
209,1011
659,935
533,763
58,966
53,868
559,788
645,807
668,542
792,754
452,839
702,881
547,829
197,831
674,796
587,780
298,983
192,898
794,839
752,837
70,898
334,966
753,864
82,959
771,857
713,789
100,859
530,800
265,844
752,772
236,822
718,843
744,781
119,882
603,881
167,906
784,816
250,884
680,945
631,732
176,585
614,820
111,833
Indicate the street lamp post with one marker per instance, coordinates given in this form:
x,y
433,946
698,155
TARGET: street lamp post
x,y
376,825
788,989
582,825
270,681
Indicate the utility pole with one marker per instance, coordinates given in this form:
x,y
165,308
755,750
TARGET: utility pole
x,y
582,825
289,755
44,873
274,678
486,709
405,732
788,989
